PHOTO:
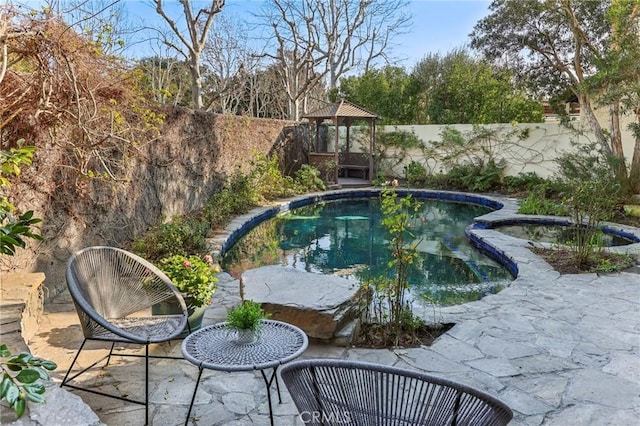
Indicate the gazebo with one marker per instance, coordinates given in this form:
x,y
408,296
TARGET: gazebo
x,y
343,113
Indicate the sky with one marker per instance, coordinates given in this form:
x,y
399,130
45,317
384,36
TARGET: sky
x,y
438,26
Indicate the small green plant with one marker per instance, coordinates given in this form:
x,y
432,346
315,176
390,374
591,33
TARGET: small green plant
x,y
612,262
477,175
21,375
193,276
246,316
523,182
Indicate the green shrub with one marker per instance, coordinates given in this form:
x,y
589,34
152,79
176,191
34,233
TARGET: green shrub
x,y
589,203
182,236
192,275
238,196
268,180
399,139
309,179
593,196
537,203
477,175
15,228
523,182
416,174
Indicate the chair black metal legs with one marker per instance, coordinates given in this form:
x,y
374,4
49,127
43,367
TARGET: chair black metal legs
x,y
69,378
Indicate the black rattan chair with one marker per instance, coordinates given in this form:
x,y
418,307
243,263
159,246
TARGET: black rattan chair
x,y
113,292
338,392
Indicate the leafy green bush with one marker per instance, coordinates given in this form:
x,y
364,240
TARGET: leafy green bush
x,y
238,196
477,175
21,375
268,180
416,174
537,203
589,203
14,230
399,139
308,178
523,182
182,236
594,193
193,276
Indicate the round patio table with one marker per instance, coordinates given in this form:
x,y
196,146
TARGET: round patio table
x,y
215,348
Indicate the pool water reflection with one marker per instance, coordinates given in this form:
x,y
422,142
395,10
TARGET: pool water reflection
x,y
346,237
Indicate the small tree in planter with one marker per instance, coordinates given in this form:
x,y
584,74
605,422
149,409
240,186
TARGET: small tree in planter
x,y
387,312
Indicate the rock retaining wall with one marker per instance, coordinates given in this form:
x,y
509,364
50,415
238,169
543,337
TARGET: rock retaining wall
x,y
172,175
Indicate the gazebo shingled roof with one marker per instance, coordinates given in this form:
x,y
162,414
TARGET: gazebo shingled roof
x,y
345,112
342,109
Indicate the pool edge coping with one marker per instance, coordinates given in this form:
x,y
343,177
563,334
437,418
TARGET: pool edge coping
x,y
481,233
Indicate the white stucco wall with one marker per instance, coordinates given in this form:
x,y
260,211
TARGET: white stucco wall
x,y
536,153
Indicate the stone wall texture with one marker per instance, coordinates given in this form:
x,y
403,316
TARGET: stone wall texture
x,y
171,175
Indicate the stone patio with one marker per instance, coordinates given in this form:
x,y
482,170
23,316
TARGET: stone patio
x,y
558,349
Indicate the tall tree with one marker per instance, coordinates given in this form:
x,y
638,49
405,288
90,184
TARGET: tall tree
x,y
459,88
191,44
320,39
167,78
382,91
101,21
617,80
566,41
231,62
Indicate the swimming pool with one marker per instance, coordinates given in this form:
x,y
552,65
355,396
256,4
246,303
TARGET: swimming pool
x,y
345,237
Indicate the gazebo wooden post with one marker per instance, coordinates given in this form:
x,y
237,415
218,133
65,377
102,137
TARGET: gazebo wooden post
x,y
318,121
347,123
336,120
372,143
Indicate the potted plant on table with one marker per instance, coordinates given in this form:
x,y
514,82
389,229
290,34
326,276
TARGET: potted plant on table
x,y
245,320
195,278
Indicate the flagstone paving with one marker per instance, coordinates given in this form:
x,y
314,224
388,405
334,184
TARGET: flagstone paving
x,y
558,349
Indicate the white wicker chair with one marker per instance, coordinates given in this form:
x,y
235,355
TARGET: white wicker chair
x,y
339,392
113,292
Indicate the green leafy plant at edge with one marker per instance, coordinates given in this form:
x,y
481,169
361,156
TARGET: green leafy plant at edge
x,y
14,230
21,375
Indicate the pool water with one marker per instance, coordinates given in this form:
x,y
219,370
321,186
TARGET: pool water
x,y
346,238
